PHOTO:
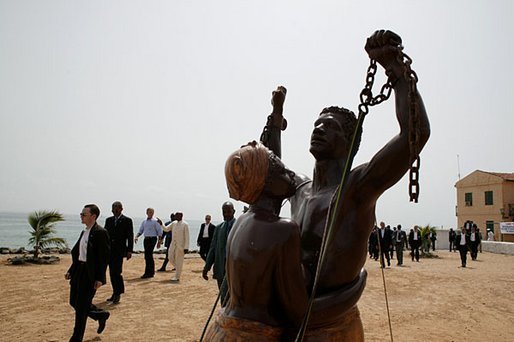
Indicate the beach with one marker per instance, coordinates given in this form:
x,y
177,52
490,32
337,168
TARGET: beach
x,y
433,300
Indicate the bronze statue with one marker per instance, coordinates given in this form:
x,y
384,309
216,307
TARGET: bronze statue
x,y
268,295
335,316
355,213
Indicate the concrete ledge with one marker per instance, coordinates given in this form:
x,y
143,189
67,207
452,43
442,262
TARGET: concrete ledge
x,y
498,247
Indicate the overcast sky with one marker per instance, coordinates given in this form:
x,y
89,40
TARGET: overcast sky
x,y
142,101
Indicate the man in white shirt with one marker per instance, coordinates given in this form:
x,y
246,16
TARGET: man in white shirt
x,y
90,257
205,237
179,244
415,242
462,242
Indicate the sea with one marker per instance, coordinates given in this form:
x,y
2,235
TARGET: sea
x,y
15,230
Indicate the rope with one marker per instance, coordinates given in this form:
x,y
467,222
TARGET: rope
x,y
382,264
213,308
328,231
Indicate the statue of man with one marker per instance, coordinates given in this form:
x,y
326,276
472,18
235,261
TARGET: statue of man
x,y
355,213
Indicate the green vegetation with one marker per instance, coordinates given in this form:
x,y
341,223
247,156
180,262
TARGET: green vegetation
x,y
426,242
42,223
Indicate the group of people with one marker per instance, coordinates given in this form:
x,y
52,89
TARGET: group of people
x,y
469,238
384,241
100,247
270,262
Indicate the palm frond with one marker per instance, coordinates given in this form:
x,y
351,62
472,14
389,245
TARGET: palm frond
x,y
53,241
42,223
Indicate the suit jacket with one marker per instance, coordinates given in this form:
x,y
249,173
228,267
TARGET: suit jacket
x,y
412,242
386,241
451,235
180,231
457,241
402,236
121,235
200,235
218,250
98,251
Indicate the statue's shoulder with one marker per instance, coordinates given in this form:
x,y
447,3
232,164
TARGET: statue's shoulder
x,y
302,181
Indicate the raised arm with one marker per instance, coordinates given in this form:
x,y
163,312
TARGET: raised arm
x,y
275,123
390,163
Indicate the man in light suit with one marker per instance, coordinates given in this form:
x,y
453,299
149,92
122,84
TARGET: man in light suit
x,y
179,244
90,257
205,237
121,233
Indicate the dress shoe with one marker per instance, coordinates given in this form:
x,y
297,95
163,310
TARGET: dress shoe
x,y
144,276
102,321
110,299
116,299
161,270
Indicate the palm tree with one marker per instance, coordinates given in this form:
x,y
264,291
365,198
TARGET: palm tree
x,y
425,231
42,223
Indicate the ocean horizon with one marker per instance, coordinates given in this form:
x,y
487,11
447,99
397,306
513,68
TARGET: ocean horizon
x,y
15,230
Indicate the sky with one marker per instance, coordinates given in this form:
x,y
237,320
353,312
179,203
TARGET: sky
x,y
143,101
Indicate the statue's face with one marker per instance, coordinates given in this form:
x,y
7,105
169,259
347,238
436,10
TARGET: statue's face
x,y
281,182
328,140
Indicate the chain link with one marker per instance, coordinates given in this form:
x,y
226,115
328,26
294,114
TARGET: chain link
x,y
414,132
367,100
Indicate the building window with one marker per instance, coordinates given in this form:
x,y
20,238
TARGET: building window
x,y
468,198
488,198
489,225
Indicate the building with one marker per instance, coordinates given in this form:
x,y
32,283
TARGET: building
x,y
486,198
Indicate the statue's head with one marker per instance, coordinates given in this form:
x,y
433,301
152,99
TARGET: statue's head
x,y
332,134
254,170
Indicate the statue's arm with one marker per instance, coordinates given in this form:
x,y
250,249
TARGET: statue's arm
x,y
394,159
275,124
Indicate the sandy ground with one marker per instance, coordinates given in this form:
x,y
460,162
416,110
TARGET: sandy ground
x,y
433,300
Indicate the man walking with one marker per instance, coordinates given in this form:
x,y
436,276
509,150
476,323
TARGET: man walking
x,y
462,241
474,239
451,239
152,230
217,251
179,244
90,257
121,233
415,243
205,237
384,240
400,241
167,243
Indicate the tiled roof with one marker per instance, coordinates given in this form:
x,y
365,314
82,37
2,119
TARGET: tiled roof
x,y
506,176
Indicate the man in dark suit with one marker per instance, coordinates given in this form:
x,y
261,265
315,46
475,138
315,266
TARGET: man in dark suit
x,y
167,237
462,242
121,233
205,237
90,257
400,240
474,241
385,242
451,239
415,242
